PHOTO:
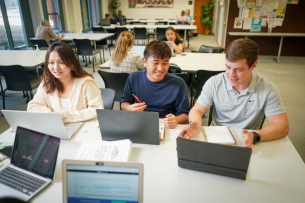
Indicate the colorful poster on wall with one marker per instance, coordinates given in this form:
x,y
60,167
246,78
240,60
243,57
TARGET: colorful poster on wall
x,y
292,1
151,3
256,25
238,23
251,4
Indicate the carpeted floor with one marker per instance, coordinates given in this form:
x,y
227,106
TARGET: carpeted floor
x,y
288,75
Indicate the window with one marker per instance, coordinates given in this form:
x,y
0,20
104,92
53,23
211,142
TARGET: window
x,y
90,13
52,14
11,24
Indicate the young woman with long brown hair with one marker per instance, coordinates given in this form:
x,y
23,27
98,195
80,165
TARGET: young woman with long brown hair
x,y
172,35
66,88
123,60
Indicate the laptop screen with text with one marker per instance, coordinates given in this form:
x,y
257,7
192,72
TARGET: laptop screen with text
x,y
98,183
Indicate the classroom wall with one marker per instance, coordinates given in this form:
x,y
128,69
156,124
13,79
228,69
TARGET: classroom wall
x,y
153,13
293,23
36,13
73,16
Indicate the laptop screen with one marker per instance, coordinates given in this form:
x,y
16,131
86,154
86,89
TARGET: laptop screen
x,y
98,183
139,49
35,152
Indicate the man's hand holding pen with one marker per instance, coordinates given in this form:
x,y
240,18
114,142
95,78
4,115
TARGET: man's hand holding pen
x,y
190,131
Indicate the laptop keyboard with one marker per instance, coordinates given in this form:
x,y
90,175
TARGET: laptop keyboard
x,y
70,131
20,181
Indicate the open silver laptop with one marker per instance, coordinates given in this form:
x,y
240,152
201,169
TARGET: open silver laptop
x,y
32,165
49,123
139,49
91,181
171,46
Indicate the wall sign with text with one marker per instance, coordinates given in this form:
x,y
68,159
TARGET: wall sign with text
x,y
151,3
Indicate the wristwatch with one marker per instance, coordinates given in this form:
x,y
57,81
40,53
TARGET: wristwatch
x,y
257,138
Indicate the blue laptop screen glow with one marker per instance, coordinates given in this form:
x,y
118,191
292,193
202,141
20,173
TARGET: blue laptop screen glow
x,y
139,49
102,184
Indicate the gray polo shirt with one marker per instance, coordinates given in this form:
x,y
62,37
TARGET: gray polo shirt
x,y
244,110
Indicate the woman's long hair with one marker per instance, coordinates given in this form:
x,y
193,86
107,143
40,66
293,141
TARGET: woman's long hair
x,y
68,57
43,23
120,52
171,28
182,13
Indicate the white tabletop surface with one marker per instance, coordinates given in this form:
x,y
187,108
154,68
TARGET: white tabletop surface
x,y
25,58
153,21
276,172
264,34
176,27
192,62
90,36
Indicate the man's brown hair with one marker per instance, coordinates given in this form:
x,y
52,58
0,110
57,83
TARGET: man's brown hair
x,y
157,49
242,49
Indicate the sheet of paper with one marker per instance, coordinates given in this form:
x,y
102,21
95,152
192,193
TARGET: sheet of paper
x,y
265,10
259,3
245,12
281,10
256,25
251,4
238,23
241,3
257,13
218,134
99,150
292,1
264,22
247,23
251,13
283,3
274,6
278,21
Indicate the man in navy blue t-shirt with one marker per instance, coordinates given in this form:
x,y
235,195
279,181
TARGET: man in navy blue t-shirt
x,y
157,90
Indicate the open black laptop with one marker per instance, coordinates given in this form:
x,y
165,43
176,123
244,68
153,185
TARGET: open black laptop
x,y
232,161
32,165
105,22
138,127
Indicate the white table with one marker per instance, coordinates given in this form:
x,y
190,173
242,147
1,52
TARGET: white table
x,y
155,21
276,172
192,62
154,27
92,36
264,34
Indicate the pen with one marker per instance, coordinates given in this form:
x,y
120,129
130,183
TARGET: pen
x,y
136,98
187,127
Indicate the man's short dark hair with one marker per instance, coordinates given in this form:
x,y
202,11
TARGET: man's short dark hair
x,y
157,49
107,15
242,49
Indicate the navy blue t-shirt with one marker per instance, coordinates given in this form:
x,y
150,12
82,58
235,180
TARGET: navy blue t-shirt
x,y
169,95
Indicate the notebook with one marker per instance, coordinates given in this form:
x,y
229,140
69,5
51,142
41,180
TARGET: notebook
x,y
138,127
219,135
32,165
100,150
171,46
105,22
91,181
49,123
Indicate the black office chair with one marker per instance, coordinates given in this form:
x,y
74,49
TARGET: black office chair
x,y
17,79
173,68
143,19
118,31
202,77
103,44
98,29
140,33
211,113
23,48
108,96
160,32
67,31
42,44
184,76
84,48
87,31
160,21
2,48
115,81
113,37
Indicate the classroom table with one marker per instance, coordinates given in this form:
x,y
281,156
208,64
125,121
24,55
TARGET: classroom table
x,y
25,58
155,21
154,27
276,172
191,62
264,34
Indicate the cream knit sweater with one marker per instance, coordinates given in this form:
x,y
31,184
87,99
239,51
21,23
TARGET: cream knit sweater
x,y
85,99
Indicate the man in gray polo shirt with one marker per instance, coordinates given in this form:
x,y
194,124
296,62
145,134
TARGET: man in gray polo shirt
x,y
241,98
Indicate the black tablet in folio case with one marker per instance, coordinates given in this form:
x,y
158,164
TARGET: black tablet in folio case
x,y
232,161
